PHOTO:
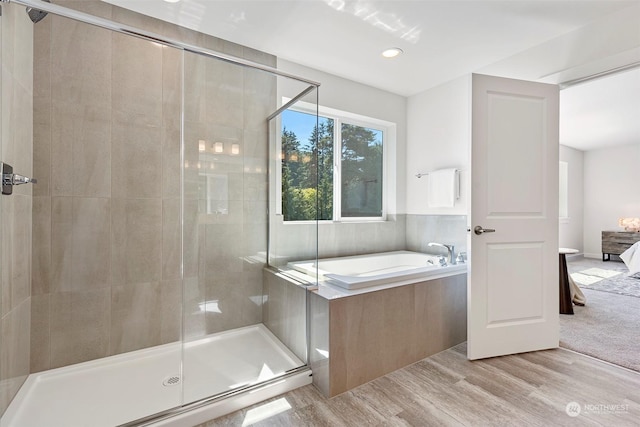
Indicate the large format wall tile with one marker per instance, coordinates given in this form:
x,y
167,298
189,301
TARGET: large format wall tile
x,y
137,156
15,351
284,311
79,323
113,241
136,241
20,253
170,310
91,260
40,333
61,243
171,239
5,262
81,104
80,253
374,333
16,73
137,77
135,317
447,229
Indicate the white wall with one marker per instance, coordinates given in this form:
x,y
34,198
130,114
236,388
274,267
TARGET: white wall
x,y
438,136
572,229
611,180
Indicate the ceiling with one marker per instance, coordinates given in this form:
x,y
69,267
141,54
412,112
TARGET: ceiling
x,y
602,113
441,40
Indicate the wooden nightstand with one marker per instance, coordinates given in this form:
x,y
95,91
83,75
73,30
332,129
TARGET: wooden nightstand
x,y
616,242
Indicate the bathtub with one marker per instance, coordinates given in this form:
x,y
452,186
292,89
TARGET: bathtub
x,y
375,270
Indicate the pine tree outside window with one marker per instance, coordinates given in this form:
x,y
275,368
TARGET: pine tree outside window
x,y
332,168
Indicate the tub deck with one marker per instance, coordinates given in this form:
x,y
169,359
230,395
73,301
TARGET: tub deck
x,y
375,271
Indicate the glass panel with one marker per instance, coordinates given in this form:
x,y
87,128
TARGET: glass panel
x,y
237,330
361,171
307,177
106,270
294,172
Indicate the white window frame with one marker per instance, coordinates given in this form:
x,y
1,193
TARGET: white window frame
x,y
339,117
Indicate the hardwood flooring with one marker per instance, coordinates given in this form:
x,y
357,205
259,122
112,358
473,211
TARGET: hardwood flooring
x,y
446,389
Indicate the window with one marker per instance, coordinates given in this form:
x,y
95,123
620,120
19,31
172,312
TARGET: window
x,y
336,161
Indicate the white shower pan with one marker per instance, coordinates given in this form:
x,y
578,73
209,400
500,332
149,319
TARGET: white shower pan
x,y
119,389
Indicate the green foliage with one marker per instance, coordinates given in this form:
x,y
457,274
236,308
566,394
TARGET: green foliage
x,y
307,173
361,165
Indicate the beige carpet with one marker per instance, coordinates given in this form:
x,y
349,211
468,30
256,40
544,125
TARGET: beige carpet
x,y
605,328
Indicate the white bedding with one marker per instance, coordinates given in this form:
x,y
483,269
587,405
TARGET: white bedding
x,y
631,258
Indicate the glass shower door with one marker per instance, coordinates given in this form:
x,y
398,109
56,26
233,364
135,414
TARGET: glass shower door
x,y
232,329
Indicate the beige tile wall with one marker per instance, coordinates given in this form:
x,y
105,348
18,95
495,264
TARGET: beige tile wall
x,y
372,334
285,311
16,145
107,236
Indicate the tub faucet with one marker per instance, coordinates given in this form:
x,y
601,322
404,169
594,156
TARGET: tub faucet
x,y
451,259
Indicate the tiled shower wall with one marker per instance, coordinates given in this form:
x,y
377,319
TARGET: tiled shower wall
x,y
15,227
107,215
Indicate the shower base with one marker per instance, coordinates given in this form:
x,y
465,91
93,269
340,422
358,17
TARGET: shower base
x,y
119,389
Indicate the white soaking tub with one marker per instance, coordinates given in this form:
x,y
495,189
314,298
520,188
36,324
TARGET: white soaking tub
x,y
374,270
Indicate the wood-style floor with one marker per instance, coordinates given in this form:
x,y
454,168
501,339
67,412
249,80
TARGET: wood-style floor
x,y
529,389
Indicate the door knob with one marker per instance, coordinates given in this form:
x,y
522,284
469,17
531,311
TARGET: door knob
x,y
479,230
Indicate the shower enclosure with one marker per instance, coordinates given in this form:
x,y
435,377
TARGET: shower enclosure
x,y
135,272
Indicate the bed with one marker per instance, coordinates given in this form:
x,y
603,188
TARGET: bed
x,y
631,258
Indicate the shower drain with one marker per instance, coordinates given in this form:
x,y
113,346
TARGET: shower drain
x,y
172,380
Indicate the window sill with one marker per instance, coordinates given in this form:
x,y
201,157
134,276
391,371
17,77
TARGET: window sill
x,y
325,223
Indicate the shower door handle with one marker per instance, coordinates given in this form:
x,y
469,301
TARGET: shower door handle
x,y
479,230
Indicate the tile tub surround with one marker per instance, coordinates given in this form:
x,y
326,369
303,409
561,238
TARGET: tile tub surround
x,y
355,339
107,246
284,311
16,226
446,229
297,241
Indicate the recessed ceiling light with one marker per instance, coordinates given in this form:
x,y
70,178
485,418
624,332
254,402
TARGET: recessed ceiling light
x,y
172,1
392,53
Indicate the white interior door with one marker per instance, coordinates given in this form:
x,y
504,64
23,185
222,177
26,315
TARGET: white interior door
x,y
513,282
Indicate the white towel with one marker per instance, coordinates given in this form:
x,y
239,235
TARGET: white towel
x,y
631,257
442,188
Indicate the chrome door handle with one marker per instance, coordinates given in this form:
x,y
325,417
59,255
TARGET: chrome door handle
x,y
479,230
